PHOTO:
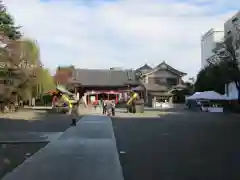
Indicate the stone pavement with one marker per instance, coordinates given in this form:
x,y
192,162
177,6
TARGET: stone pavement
x,y
87,152
184,146
28,137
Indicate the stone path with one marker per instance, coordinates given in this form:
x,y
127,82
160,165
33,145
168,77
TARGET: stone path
x,y
86,151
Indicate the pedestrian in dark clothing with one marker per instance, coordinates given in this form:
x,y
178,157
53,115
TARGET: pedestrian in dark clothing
x,y
113,108
104,107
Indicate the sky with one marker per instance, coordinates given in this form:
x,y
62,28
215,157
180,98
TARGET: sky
x,y
113,33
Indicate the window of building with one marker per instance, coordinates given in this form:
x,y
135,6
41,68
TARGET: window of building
x,y
145,79
9,73
159,80
34,74
237,54
172,81
8,82
130,75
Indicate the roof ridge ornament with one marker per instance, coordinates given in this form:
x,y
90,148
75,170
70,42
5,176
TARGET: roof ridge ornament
x,y
163,65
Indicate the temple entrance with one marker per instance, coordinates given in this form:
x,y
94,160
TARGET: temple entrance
x,y
94,97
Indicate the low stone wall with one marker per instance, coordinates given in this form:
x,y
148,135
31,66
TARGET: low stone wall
x,y
139,108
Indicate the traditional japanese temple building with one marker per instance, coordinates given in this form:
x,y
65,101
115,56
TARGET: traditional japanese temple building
x,y
98,83
158,82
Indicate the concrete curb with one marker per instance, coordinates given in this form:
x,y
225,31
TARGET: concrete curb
x,y
86,151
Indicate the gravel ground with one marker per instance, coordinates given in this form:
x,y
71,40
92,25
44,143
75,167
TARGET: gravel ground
x,y
187,146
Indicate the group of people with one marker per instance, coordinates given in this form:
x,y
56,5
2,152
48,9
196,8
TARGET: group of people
x,y
108,107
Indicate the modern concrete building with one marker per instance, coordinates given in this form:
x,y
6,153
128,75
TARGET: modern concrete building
x,y
232,35
232,31
209,42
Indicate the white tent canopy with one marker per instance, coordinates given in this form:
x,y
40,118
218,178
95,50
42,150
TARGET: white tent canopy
x,y
209,95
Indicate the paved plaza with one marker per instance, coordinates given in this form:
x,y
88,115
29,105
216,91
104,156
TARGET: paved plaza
x,y
174,144
179,146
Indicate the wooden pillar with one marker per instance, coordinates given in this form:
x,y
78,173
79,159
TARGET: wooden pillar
x,y
88,98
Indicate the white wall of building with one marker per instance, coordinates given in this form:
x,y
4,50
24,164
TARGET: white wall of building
x,y
231,31
208,43
231,91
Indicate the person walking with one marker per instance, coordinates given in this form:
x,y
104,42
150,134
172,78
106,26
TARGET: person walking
x,y
113,108
101,105
104,106
108,108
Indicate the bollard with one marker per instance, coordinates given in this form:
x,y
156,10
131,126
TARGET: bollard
x,y
73,122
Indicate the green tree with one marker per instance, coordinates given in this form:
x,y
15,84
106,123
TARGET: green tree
x,y
7,25
24,65
46,80
31,67
211,78
227,53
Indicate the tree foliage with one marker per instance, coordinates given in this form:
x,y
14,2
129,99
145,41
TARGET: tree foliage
x,y
7,25
211,78
21,69
31,66
46,80
20,60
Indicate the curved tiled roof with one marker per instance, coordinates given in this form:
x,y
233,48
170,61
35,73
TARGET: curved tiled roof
x,y
104,77
145,67
164,65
